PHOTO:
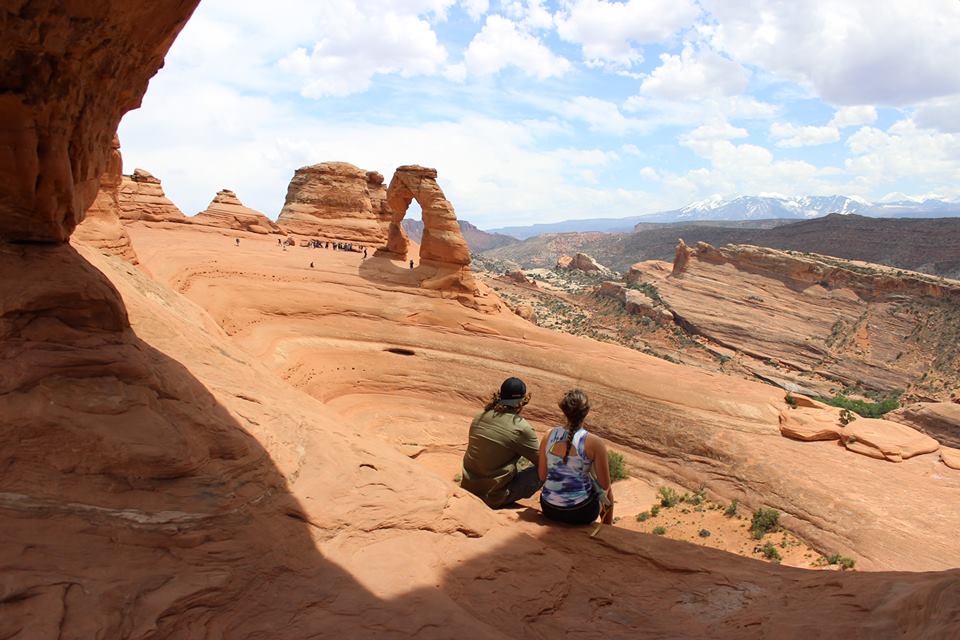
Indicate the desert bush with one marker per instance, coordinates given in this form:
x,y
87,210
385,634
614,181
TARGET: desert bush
x,y
643,516
732,509
844,562
668,497
770,553
764,521
791,401
862,407
659,531
846,417
618,469
654,510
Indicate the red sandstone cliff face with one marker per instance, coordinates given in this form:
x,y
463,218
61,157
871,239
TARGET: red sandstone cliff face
x,y
227,212
141,197
807,315
102,228
68,73
338,201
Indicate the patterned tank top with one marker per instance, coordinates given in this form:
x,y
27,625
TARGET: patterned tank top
x,y
568,483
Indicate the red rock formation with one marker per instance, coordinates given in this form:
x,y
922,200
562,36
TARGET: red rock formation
x,y
939,420
886,440
442,241
68,72
102,228
227,212
564,262
337,201
141,198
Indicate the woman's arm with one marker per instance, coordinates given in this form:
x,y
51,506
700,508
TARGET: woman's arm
x,y
597,450
542,461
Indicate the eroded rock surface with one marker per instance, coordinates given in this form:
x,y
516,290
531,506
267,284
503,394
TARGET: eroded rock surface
x,y
101,228
336,201
939,420
227,212
68,75
886,440
815,322
142,198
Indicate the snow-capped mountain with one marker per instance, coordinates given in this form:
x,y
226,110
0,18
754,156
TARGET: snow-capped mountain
x,y
765,207
762,207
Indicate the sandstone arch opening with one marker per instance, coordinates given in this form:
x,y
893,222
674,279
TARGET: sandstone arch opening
x,y
442,242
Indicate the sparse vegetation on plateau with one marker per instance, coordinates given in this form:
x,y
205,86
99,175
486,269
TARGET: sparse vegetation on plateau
x,y
618,469
862,407
668,497
659,531
732,509
770,553
844,562
764,521
643,516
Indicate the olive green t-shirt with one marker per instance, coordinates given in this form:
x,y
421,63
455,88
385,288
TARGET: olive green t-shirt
x,y
496,444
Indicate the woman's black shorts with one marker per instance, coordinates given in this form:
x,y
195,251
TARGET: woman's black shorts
x,y
583,513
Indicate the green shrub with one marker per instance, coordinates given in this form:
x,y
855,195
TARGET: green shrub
x,y
844,562
697,498
659,531
770,553
618,469
846,417
643,516
764,521
668,497
862,407
732,509
654,510
791,401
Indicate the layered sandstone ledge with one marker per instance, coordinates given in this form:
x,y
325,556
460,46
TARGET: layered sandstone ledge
x,y
227,212
102,227
142,198
338,201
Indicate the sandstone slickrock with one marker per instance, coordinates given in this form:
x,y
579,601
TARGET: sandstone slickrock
x,y
227,212
519,277
67,77
805,425
636,302
564,262
817,322
950,457
939,420
101,228
886,440
142,198
337,201
583,262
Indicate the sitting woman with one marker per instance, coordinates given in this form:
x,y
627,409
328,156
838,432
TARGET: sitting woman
x,y
567,457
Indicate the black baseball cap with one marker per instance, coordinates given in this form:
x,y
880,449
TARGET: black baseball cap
x,y
512,391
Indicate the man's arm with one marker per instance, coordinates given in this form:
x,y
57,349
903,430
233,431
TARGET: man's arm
x,y
527,444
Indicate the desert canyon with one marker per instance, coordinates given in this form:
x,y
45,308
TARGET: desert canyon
x,y
212,428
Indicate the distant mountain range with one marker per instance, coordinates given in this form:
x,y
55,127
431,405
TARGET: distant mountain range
x,y
931,244
750,208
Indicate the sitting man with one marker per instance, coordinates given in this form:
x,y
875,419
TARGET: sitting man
x,y
499,438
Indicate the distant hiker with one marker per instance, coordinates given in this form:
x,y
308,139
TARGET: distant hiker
x,y
364,254
568,455
411,264
311,265
498,439
279,242
238,241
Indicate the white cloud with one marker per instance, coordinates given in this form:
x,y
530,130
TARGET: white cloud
x,y
608,31
649,173
853,52
715,130
531,13
853,116
695,74
347,58
941,114
475,8
792,136
905,151
502,43
600,115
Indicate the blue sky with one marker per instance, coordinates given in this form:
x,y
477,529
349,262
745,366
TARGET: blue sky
x,y
536,111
